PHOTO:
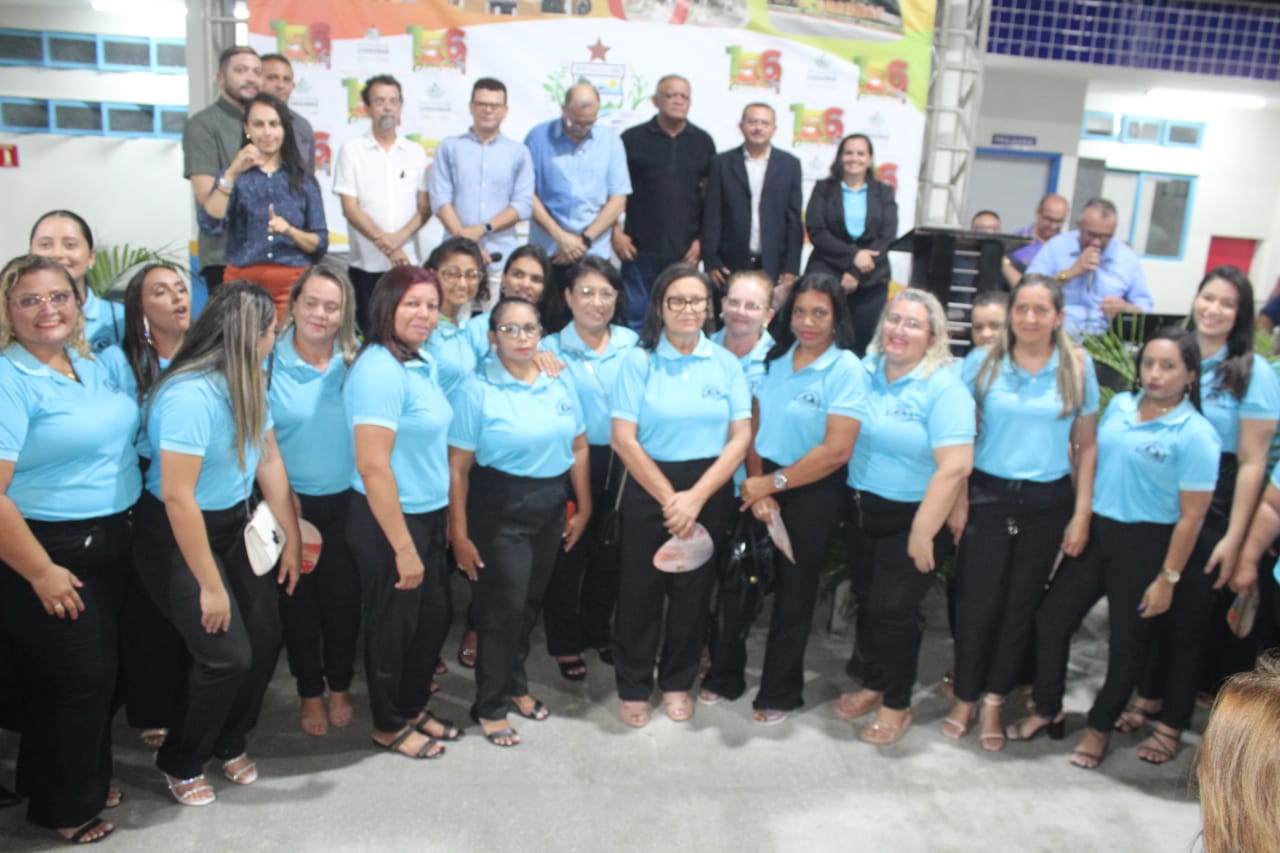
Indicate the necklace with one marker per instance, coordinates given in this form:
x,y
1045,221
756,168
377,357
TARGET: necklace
x,y
1161,411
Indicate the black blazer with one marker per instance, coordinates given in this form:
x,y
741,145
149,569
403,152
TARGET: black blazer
x,y
834,248
726,219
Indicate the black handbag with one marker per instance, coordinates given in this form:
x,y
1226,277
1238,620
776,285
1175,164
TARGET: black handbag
x,y
608,527
749,557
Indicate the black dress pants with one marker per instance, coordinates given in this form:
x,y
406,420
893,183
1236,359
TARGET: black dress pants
x,y
68,669
1007,553
578,608
643,589
362,283
153,660
865,308
888,589
403,628
516,523
1120,562
322,618
230,670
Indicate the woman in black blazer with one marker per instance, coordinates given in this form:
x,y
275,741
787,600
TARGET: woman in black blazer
x,y
851,202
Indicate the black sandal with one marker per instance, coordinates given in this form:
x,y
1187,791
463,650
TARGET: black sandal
x,y
423,752
79,836
1160,747
537,713
451,731
508,732
573,670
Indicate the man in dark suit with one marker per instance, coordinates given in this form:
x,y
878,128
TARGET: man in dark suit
x,y
752,215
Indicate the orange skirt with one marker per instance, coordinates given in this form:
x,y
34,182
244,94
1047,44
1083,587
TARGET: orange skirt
x,y
276,279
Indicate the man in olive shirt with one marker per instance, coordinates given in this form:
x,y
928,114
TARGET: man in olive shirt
x,y
211,140
669,160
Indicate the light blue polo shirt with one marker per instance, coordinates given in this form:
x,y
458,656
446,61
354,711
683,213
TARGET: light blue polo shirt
x,y
903,422
451,350
520,429
794,406
753,362
117,365
405,398
477,332
1275,481
311,420
1261,399
192,415
682,405
1143,466
103,321
593,374
71,442
1023,434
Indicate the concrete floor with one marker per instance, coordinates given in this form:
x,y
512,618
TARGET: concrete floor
x,y
582,781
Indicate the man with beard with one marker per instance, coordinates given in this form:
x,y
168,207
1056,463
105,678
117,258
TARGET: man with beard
x,y
382,181
211,141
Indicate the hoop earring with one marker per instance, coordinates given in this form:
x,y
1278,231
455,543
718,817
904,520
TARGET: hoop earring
x,y
146,329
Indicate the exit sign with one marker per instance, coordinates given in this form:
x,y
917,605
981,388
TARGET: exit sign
x,y
9,156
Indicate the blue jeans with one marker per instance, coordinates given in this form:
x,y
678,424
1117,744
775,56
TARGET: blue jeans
x,y
637,280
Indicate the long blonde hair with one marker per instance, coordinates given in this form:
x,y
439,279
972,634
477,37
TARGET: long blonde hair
x,y
1070,360
224,339
938,353
1238,766
25,265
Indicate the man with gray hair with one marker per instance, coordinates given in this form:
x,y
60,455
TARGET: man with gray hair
x,y
1100,277
580,179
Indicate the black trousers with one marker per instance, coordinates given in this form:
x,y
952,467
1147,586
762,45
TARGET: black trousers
x,y
516,523
865,308
1120,562
213,277
811,514
230,670
68,670
888,589
643,590
403,628
1007,553
1180,641
322,618
153,660
578,607
362,283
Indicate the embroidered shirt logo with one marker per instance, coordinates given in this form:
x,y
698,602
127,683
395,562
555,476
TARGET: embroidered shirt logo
x,y
1153,451
712,392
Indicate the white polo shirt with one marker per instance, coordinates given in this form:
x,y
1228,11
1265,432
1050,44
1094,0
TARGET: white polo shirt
x,y
386,185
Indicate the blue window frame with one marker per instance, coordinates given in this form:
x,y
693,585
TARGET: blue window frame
x,y
1093,124
34,48
1142,130
1183,134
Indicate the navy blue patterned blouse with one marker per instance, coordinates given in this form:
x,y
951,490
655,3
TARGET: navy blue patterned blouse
x,y
248,241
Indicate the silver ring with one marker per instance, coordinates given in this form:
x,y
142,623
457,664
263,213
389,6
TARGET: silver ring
x,y
58,607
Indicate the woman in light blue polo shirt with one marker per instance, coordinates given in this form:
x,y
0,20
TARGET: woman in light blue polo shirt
x,y
746,313
516,444
68,479
65,237
396,522
459,268
322,617
578,608
1157,465
803,420
157,315
209,427
914,450
524,277
681,415
1241,398
1037,398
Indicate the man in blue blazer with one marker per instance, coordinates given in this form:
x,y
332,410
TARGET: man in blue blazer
x,y
752,214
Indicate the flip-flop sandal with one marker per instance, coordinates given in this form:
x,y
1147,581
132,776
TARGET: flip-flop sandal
x,y
634,714
846,709
768,718
424,751
193,795
246,775
709,697
115,797
467,657
451,731
1133,718
573,670
537,713
495,737
877,733
153,738
80,836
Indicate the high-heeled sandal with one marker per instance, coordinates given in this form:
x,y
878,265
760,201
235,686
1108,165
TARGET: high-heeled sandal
x,y
992,741
954,729
1055,728
1160,747
1086,760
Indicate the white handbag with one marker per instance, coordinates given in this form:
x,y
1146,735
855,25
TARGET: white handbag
x,y
264,539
